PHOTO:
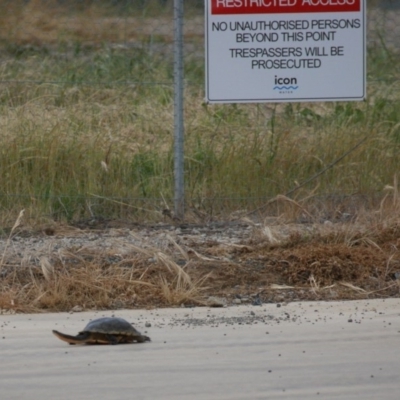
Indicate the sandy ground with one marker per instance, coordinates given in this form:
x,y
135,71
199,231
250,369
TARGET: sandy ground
x,y
326,350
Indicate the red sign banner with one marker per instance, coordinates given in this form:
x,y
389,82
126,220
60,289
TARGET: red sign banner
x,y
235,7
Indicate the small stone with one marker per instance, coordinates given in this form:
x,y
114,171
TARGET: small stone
x,y
237,301
147,324
257,302
214,301
76,309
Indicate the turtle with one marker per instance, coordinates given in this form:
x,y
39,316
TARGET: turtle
x,y
107,330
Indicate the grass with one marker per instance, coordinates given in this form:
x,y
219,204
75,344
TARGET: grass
x,y
87,122
76,143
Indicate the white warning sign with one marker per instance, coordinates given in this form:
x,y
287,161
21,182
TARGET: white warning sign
x,y
285,50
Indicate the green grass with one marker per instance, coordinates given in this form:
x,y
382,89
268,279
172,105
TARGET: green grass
x,y
88,129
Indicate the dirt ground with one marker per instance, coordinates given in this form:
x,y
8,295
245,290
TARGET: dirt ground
x,y
117,264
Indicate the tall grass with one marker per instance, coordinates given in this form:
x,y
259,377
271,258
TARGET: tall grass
x,y
87,125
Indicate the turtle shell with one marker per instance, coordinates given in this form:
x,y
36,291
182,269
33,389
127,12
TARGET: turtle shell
x,y
105,331
111,326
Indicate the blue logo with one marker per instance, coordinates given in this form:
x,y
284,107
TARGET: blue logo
x,y
285,85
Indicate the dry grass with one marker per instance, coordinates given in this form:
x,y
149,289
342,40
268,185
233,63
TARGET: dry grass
x,y
93,281
275,262
15,226
36,23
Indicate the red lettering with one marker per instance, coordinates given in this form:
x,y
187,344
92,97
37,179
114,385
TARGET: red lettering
x,y
226,7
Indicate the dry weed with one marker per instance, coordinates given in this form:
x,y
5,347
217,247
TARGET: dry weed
x,y
12,232
93,280
278,262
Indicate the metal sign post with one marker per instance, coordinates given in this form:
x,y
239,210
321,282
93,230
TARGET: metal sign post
x,y
178,111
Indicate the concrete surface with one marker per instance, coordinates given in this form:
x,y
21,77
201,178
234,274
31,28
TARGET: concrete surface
x,y
337,350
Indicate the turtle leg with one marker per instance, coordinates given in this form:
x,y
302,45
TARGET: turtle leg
x,y
112,339
78,339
